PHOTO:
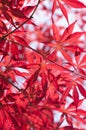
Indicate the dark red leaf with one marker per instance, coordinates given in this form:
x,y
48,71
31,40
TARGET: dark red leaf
x,y
1,91
33,78
44,81
14,121
14,50
81,89
69,120
18,13
28,9
75,96
8,17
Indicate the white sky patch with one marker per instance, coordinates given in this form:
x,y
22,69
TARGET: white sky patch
x,y
84,1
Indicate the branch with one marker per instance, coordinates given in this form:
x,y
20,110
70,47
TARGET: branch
x,y
72,71
31,16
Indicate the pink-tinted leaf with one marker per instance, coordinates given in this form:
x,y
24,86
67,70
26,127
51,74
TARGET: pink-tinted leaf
x,y
69,120
63,10
55,31
66,56
83,60
74,37
21,2
54,6
53,56
75,3
23,74
31,22
67,31
82,120
81,112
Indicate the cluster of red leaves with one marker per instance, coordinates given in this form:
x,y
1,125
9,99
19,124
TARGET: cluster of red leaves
x,y
42,65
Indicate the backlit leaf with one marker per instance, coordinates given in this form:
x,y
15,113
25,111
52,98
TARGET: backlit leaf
x,y
28,9
67,31
75,3
55,31
74,37
66,56
65,94
54,6
63,10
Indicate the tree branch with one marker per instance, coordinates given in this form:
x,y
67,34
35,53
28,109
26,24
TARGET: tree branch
x,y
31,16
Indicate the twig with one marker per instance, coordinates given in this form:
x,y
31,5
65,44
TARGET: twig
x,y
31,16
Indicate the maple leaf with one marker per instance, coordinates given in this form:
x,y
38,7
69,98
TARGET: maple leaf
x,y
63,10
